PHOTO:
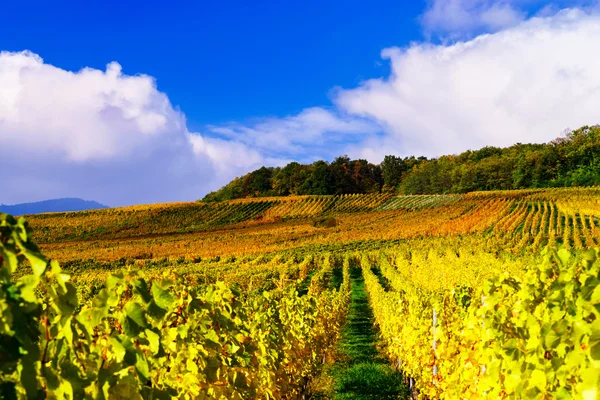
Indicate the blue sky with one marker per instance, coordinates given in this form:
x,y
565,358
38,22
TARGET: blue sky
x,y
134,102
220,61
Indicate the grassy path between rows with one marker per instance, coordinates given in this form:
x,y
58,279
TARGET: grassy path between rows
x,y
362,372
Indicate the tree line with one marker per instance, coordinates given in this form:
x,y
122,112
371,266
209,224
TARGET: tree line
x,y
571,160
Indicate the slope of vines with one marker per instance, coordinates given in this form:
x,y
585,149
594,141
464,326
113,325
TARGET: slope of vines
x,y
483,295
155,337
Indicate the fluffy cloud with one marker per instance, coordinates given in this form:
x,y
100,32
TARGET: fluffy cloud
x,y
526,83
458,17
313,133
523,84
115,138
84,116
230,157
101,135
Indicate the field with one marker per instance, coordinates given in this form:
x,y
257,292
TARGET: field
x,y
482,295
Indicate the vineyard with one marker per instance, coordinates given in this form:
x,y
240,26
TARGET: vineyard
x,y
484,295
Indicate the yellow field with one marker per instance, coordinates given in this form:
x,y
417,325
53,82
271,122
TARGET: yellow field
x,y
516,219
499,281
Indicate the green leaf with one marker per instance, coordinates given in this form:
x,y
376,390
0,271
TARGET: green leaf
x,y
134,320
212,369
590,382
233,348
589,255
113,281
141,365
155,312
135,312
594,344
29,377
68,302
512,382
191,366
595,297
38,262
154,340
141,287
212,336
162,297
91,317
538,380
27,286
52,381
564,256
117,349
11,260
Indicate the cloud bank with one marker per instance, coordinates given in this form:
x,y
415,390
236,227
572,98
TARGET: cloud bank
x,y
101,135
527,83
451,20
456,18
311,134
117,139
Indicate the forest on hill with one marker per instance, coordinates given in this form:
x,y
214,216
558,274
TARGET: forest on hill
x,y
571,160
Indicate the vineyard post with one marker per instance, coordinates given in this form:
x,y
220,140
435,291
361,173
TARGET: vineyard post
x,y
435,370
482,328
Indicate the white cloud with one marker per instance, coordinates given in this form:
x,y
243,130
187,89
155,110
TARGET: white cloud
x,y
230,157
315,131
456,18
523,84
117,139
82,116
101,135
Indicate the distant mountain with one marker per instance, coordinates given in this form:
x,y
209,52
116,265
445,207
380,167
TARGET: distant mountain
x,y
55,205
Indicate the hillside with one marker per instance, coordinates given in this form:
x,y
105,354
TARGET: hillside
x,y
262,225
307,200
326,295
571,160
55,205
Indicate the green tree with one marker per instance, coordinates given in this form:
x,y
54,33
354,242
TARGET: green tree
x,y
392,169
319,181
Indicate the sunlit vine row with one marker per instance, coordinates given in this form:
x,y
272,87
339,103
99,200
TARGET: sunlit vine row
x,y
142,337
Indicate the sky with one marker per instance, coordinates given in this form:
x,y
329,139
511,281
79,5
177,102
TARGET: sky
x,y
142,102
